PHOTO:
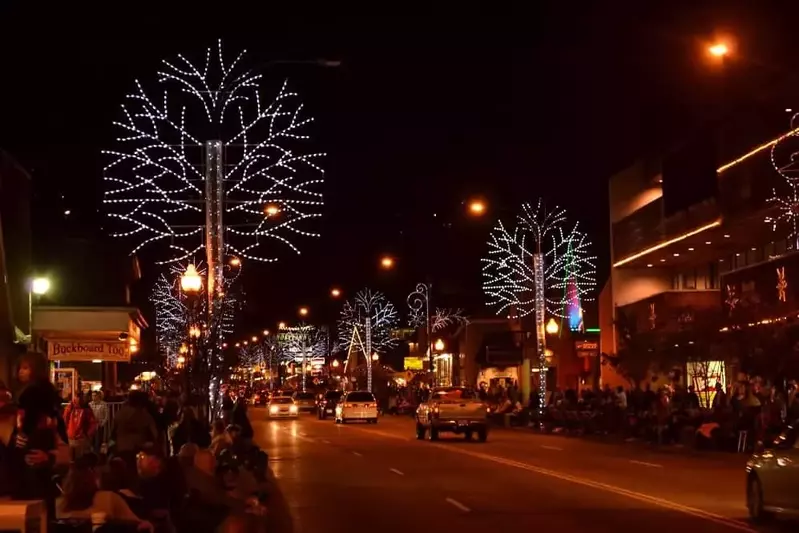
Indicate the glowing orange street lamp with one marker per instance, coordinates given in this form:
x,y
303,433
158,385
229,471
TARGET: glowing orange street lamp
x,y
254,338
303,311
191,281
387,262
719,50
266,332
271,210
281,325
335,293
477,207
235,262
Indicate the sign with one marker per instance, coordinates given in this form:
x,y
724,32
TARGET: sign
x,y
586,348
414,363
88,351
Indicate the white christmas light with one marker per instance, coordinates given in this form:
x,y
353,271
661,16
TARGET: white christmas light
x,y
303,344
155,179
537,268
366,325
785,160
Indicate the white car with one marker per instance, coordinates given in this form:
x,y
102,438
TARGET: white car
x,y
357,405
282,407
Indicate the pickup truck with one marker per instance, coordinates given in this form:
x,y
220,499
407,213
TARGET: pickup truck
x,y
453,409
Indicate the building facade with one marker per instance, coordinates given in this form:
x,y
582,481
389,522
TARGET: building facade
x,y
15,261
690,232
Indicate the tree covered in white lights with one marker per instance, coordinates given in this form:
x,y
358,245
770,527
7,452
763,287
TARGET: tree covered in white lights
x,y
157,173
366,324
171,319
540,265
785,160
302,344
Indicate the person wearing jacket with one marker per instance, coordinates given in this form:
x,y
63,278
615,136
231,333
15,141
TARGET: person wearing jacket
x,y
81,426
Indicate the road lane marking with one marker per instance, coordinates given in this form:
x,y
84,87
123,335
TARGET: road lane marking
x,y
457,504
660,502
544,446
358,454
396,471
326,441
644,463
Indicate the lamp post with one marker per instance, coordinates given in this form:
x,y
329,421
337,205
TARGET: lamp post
x,y
419,303
38,287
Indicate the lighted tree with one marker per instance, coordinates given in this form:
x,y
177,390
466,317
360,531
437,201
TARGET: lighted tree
x,y
366,324
302,344
540,266
171,319
157,175
785,160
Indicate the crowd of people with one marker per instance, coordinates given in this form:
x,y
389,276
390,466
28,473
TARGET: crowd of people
x,y
159,466
732,418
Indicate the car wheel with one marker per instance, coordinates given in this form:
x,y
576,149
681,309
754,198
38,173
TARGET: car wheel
x,y
754,501
343,420
433,433
420,431
468,435
373,421
338,421
482,435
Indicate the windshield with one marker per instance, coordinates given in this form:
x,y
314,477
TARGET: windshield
x,y
282,399
305,396
360,397
454,393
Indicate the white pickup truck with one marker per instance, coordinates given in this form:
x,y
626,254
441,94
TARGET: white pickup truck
x,y
454,409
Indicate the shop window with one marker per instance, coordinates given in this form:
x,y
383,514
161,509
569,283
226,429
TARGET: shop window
x,y
704,375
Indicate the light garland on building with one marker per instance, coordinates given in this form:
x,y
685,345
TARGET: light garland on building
x,y
155,182
536,268
366,324
784,156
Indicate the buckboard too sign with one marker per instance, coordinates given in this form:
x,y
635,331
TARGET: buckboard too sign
x,y
88,351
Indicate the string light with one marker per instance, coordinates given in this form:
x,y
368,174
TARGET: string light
x,y
538,268
304,344
366,324
785,149
154,175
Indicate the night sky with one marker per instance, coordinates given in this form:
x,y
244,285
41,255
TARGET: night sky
x,y
424,113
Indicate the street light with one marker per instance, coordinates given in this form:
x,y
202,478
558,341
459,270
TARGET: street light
x,y
191,281
235,262
303,311
439,345
719,50
254,338
265,332
271,210
335,293
375,356
194,331
335,363
552,327
387,262
37,286
477,207
281,325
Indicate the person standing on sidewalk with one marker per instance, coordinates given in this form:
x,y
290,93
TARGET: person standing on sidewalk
x,y
100,409
81,426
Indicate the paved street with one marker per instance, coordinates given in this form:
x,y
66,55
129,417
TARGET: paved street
x,y
332,478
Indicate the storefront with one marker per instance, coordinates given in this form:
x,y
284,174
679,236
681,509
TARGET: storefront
x,y
85,344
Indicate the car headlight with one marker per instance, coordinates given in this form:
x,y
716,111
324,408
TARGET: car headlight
x,y
273,409
293,408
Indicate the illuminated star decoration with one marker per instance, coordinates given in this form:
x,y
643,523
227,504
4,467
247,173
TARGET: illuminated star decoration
x,y
785,160
782,284
155,180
